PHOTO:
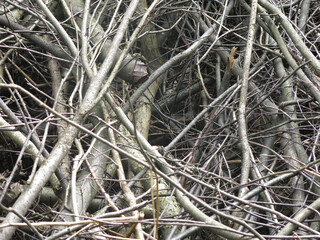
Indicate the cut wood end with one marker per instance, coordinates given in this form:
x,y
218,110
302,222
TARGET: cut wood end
x,y
139,72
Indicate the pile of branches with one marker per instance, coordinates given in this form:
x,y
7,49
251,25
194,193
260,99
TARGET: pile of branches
x,y
159,119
